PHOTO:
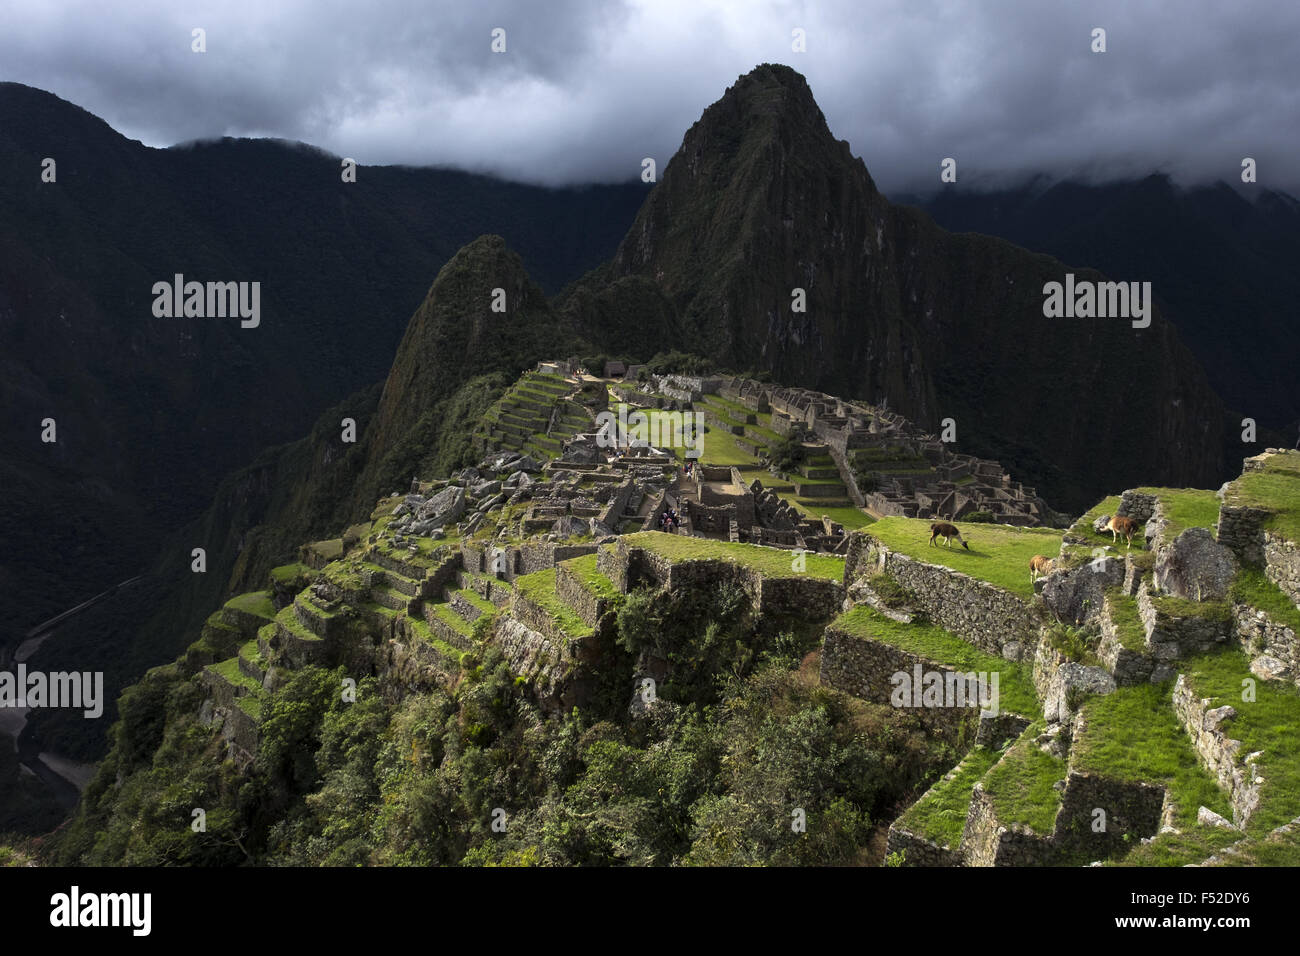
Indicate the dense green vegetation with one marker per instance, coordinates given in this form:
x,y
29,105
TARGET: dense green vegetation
x,y
421,780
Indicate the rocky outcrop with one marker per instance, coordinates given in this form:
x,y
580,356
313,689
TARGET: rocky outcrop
x,y
1196,567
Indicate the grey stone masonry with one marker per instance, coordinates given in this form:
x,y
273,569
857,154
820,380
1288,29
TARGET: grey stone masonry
x,y
1282,564
996,621
1238,773
1241,529
1273,647
1171,636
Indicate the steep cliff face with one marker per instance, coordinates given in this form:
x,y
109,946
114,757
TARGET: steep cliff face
x,y
761,200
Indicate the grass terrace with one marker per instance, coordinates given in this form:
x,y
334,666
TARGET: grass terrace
x,y
1021,784
773,562
1128,624
539,588
288,573
1186,508
999,554
595,582
1275,488
425,633
852,518
940,814
1266,724
1134,735
453,620
1254,588
229,670
1015,681
255,602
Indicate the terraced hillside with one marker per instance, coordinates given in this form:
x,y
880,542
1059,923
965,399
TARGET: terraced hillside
x,y
535,417
1135,704
1158,727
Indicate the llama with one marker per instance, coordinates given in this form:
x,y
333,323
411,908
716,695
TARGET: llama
x,y
941,529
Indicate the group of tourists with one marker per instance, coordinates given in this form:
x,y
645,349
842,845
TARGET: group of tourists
x,y
668,521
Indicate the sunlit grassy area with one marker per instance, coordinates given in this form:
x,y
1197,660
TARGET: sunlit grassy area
x,y
1276,488
254,602
940,815
851,518
1133,734
774,562
1021,784
1015,681
998,554
1186,508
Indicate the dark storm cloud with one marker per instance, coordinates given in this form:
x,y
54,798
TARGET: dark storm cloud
x,y
587,88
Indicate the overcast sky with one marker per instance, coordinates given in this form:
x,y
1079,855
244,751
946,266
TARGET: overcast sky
x,y
586,89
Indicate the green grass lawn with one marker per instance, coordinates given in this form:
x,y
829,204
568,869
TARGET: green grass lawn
x,y
286,573
1269,724
774,562
229,669
1253,588
1276,488
595,582
1128,624
1020,785
1133,734
422,631
998,554
254,602
1015,681
940,814
720,448
1186,508
851,518
539,588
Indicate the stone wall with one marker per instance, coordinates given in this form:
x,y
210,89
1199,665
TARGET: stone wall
x,y
1224,757
532,655
1076,594
1170,638
1128,666
1064,685
1138,505
410,665
1132,812
862,668
571,590
1273,648
918,851
987,842
1241,530
994,620
1282,564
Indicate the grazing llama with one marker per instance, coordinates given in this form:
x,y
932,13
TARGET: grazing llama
x,y
1119,525
941,529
